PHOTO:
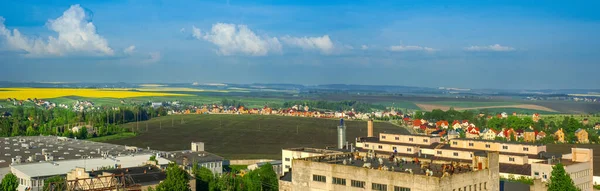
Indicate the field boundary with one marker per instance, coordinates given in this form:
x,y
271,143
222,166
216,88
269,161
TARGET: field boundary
x,y
429,107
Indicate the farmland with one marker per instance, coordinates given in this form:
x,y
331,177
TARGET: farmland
x,y
46,93
244,136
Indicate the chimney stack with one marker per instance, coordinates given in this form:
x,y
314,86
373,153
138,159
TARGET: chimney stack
x,y
370,128
341,134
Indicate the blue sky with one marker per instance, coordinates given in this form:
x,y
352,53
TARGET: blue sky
x,y
466,44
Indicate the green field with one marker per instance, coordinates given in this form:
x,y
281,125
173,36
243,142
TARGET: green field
x,y
518,110
399,105
244,136
467,104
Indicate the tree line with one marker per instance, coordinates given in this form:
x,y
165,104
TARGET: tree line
x,y
31,121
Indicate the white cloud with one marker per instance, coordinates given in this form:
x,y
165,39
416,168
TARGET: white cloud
x,y
238,39
182,30
322,44
364,47
129,50
495,48
196,33
153,57
401,48
76,34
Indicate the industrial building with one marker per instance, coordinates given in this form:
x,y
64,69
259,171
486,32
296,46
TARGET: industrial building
x,y
516,158
135,178
32,175
187,158
354,171
287,155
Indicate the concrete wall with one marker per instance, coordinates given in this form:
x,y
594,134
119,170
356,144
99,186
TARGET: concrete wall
x,y
288,155
419,140
245,162
497,146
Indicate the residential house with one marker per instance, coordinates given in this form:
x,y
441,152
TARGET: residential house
x,y
536,117
442,124
456,124
597,126
266,110
254,111
417,123
582,136
472,133
465,123
489,134
540,135
453,134
585,121
504,115
529,135
560,135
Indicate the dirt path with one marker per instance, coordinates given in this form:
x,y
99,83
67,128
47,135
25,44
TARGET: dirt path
x,y
429,107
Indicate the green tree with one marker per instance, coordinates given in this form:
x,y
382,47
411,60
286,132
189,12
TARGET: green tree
x,y
31,132
560,180
83,133
204,177
9,182
177,179
58,180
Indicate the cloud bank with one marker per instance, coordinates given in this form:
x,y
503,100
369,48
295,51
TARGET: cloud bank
x,y
76,34
323,44
494,48
401,48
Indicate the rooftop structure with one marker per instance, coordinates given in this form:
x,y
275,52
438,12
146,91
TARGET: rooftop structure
x,y
287,155
351,171
197,155
32,175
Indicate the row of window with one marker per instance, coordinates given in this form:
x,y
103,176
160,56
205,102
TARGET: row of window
x,y
504,147
356,183
409,139
473,187
580,174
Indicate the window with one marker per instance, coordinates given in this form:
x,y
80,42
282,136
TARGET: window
x,y
339,181
410,139
319,178
287,159
367,145
380,147
287,166
425,140
358,184
511,159
380,187
408,149
504,147
382,137
397,138
394,148
398,188
470,144
545,176
487,145
455,154
525,149
475,187
536,173
485,185
455,143
439,152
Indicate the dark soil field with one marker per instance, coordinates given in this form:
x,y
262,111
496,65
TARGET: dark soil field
x,y
245,136
566,148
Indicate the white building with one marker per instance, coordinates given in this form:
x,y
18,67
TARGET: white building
x,y
287,155
32,175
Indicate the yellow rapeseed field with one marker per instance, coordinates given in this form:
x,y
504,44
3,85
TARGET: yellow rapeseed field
x,y
45,93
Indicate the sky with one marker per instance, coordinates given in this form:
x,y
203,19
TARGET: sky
x,y
462,44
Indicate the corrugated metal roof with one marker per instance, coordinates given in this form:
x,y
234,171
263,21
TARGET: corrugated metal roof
x,y
45,169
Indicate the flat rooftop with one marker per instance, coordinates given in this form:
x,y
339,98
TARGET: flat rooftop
x,y
313,150
46,169
61,148
496,141
394,165
140,175
192,156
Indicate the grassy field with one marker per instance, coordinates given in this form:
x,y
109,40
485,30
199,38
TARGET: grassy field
x,y
245,136
566,148
468,104
112,137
